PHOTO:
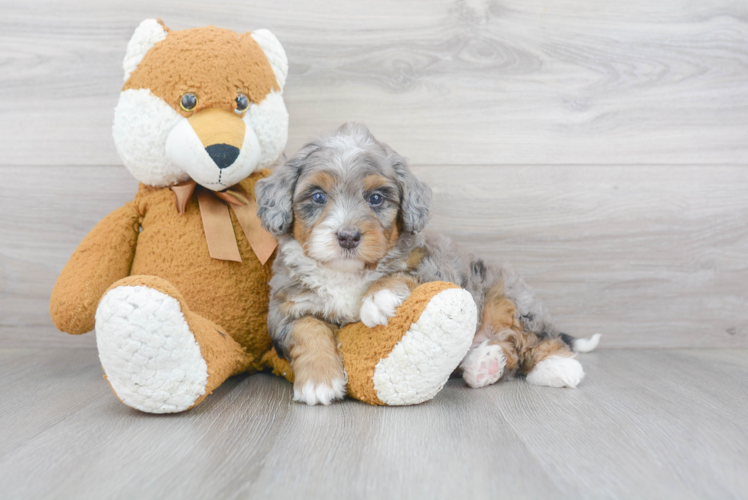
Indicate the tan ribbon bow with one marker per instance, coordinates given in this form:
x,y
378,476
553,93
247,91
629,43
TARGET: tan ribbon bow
x,y
219,232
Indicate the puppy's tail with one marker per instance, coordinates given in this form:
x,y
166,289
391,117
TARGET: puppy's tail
x,y
581,345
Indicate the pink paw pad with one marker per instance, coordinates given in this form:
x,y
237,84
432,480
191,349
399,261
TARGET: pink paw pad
x,y
483,365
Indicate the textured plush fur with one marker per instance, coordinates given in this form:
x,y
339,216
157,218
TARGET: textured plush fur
x,y
161,143
144,276
348,183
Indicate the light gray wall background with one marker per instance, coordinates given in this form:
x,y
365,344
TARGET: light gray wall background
x,y
598,146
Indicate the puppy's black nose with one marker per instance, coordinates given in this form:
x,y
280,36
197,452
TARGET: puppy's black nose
x,y
224,155
349,238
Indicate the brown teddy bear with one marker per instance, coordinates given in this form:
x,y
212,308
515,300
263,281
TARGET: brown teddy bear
x,y
175,282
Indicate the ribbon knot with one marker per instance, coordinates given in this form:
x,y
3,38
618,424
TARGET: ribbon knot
x,y
219,231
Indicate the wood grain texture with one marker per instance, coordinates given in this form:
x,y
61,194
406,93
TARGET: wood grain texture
x,y
70,382
651,406
650,256
452,81
643,424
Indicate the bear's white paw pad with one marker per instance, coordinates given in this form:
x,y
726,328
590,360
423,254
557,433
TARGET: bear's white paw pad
x,y
313,393
483,365
420,364
557,371
376,309
147,350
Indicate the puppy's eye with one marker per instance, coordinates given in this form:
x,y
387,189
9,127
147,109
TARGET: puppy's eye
x,y
319,198
376,199
242,103
188,101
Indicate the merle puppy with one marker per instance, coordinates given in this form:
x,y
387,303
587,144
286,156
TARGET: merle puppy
x,y
348,214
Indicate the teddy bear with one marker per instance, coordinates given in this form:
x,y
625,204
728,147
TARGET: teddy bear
x,y
175,282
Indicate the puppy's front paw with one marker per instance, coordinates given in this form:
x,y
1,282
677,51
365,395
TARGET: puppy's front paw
x,y
314,392
377,308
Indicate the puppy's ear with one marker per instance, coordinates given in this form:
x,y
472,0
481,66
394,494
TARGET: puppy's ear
x,y
416,196
275,193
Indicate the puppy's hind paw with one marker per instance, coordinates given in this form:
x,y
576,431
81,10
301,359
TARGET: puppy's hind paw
x,y
376,309
324,393
557,371
483,365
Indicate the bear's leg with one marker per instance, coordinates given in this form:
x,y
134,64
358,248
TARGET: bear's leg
x,y
158,356
410,359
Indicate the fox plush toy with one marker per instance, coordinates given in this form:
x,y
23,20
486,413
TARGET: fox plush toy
x,y
175,283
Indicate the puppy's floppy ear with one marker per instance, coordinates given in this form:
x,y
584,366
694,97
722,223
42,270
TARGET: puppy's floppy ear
x,y
275,193
416,196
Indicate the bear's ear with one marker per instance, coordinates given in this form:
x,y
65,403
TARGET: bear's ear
x,y
274,52
148,34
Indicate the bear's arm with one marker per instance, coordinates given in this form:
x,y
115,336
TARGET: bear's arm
x,y
104,256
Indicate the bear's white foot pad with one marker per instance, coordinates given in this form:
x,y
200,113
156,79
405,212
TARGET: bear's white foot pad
x,y
557,371
149,354
421,363
483,365
313,393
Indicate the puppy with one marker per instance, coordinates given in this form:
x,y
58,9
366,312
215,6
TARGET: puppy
x,y
348,214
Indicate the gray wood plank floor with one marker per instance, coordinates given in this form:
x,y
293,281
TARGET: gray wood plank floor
x,y
644,424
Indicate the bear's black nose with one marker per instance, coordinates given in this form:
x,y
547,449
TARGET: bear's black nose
x,y
349,238
223,155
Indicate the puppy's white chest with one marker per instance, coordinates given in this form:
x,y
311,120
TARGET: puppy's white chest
x,y
331,293
337,296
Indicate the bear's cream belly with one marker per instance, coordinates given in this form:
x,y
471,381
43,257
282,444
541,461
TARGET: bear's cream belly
x,y
234,295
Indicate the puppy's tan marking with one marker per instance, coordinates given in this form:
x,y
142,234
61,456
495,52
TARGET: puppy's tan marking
x,y
401,284
507,340
415,258
314,355
374,182
301,227
323,180
379,236
301,231
374,241
501,326
392,235
542,350
500,313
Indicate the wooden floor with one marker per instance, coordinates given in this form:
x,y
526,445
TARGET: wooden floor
x,y
644,424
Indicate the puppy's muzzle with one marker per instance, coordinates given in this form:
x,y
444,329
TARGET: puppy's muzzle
x,y
349,238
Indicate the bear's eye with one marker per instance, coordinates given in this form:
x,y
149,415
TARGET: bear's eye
x,y
242,103
188,101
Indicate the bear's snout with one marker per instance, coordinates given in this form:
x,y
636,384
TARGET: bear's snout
x,y
224,155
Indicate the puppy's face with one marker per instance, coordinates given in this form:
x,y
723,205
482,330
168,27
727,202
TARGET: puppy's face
x,y
346,199
346,211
